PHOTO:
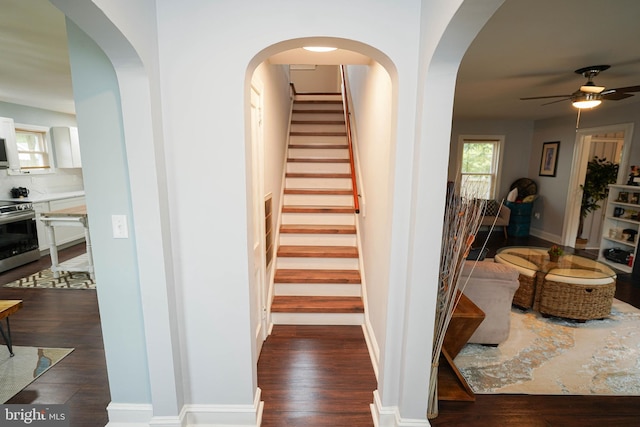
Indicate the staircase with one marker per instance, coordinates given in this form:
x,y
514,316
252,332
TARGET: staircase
x,y
317,278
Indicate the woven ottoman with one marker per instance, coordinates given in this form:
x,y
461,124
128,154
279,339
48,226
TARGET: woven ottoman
x,y
523,297
579,297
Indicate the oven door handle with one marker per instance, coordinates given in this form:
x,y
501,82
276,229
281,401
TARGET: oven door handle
x,y
8,219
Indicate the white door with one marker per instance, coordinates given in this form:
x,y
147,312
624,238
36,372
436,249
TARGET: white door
x,y
257,172
604,148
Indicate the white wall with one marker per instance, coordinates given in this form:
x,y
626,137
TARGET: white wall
x,y
371,96
322,78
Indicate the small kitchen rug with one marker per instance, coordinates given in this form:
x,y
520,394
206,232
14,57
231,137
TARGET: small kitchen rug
x,y
25,366
44,280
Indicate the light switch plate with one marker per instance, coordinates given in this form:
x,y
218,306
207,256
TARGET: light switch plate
x,y
119,225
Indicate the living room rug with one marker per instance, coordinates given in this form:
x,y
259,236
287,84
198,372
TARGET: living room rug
x,y
25,366
44,280
554,356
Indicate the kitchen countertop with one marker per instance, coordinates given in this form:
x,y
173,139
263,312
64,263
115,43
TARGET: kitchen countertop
x,y
36,198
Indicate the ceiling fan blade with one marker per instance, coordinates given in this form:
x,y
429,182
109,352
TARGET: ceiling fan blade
x,y
544,97
626,89
559,100
616,96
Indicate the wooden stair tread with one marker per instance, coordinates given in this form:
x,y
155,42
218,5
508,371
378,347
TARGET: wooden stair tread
x,y
316,175
317,276
318,191
317,251
323,146
306,160
317,122
318,133
317,101
317,229
317,209
316,304
310,111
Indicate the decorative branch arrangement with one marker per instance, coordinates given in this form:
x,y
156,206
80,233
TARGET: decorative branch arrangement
x,y
463,215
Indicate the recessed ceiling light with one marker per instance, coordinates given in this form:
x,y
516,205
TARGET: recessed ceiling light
x,y
320,48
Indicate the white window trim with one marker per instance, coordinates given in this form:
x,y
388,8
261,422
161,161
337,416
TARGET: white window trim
x,y
47,140
497,161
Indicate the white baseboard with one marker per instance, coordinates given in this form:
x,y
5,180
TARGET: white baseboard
x,y
129,415
553,238
389,416
141,415
372,345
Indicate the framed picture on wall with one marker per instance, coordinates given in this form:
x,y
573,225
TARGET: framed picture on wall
x,y
549,159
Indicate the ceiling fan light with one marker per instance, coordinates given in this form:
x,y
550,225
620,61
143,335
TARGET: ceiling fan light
x,y
586,100
590,87
586,104
319,48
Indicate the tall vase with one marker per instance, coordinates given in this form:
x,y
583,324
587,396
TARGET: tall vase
x,y
432,407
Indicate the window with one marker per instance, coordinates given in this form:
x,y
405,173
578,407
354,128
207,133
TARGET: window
x,y
480,165
32,149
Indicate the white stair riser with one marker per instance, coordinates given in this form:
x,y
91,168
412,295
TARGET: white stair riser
x,y
316,183
317,140
300,167
318,289
317,318
318,218
295,239
317,127
317,200
303,263
314,106
317,116
318,153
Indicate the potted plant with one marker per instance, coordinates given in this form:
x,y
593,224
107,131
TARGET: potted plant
x,y
555,252
600,173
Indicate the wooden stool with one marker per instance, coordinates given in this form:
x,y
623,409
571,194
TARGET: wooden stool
x,y
7,308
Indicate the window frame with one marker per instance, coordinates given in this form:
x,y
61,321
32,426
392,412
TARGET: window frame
x,y
496,163
47,146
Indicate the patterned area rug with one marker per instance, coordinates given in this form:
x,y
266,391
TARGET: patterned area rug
x,y
555,356
29,363
44,279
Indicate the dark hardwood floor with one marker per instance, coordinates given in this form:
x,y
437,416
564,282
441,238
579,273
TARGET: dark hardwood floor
x,y
62,318
309,376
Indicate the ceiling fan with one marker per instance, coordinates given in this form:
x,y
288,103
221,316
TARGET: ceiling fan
x,y
590,95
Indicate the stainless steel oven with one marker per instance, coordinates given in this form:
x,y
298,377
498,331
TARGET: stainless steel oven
x,y
18,235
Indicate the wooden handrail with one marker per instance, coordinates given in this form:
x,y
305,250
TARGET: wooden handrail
x,y
347,115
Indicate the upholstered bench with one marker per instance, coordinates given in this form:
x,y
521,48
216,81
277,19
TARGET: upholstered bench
x,y
524,296
583,296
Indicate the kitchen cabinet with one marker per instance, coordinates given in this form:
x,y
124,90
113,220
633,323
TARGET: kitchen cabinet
x,y
621,224
8,133
66,145
64,235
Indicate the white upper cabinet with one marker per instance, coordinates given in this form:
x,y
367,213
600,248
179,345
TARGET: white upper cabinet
x,y
8,133
66,146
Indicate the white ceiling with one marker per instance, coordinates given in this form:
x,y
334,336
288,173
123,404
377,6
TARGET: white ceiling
x,y
528,48
34,70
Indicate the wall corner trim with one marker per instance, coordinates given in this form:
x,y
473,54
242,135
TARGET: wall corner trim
x,y
389,416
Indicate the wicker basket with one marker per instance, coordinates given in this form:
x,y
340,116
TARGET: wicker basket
x,y
576,301
523,297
